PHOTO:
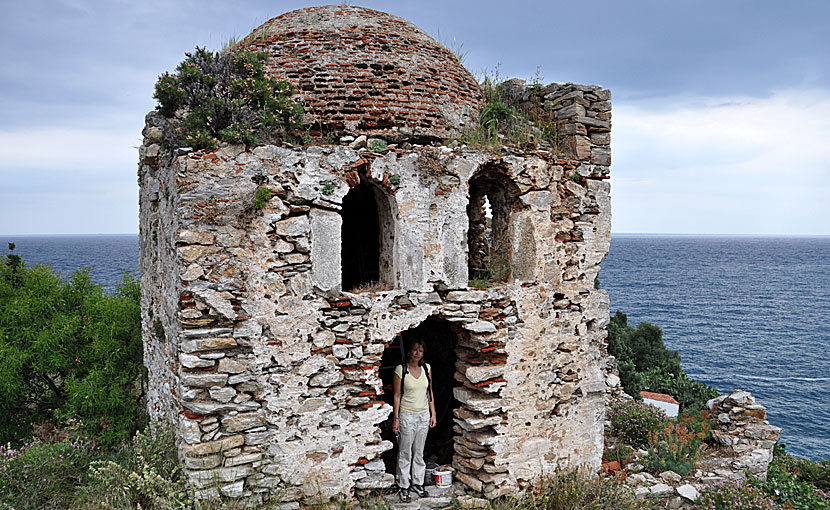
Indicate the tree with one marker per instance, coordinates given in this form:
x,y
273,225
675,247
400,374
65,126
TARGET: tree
x,y
68,350
644,363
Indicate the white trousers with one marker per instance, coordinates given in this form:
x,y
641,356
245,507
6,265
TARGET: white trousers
x,y
411,465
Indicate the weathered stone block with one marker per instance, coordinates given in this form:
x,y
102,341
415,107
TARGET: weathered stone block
x,y
243,421
208,344
204,380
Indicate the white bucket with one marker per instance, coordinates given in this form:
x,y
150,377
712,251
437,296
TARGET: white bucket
x,y
443,478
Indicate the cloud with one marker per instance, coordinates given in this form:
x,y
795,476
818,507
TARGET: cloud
x,y
64,180
66,150
723,165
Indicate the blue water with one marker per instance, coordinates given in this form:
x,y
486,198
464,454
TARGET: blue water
x,y
744,312
107,256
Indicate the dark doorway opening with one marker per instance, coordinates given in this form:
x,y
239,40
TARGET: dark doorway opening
x,y
367,238
441,339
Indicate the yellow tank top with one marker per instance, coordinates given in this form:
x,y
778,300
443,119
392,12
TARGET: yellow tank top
x,y
414,390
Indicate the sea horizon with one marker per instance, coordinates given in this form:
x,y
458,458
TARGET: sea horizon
x,y
743,310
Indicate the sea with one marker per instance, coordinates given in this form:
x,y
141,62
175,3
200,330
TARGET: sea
x,y
744,312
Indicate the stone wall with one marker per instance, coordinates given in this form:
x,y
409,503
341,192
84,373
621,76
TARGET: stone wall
x,y
744,429
269,371
746,443
583,119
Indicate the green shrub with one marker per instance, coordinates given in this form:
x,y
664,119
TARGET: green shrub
x,y
630,379
145,473
678,446
734,496
692,395
644,363
571,490
643,346
40,476
634,422
227,96
262,197
814,473
69,350
785,485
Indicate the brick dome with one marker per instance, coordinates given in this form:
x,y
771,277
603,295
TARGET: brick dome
x,y
362,71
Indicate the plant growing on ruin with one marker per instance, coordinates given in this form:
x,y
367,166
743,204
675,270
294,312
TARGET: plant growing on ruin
x,y
494,269
376,145
678,445
734,496
634,422
226,96
502,122
394,179
454,47
429,163
328,189
261,198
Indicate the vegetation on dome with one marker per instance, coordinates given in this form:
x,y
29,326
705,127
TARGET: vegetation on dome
x,y
503,123
228,97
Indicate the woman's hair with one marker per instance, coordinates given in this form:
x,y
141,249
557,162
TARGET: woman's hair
x,y
415,342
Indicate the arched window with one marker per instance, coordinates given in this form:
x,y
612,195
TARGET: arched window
x,y
367,236
493,196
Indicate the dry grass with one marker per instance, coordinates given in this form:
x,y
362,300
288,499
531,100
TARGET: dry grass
x,y
373,286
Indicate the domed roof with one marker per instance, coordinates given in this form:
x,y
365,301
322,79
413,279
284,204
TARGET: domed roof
x,y
362,71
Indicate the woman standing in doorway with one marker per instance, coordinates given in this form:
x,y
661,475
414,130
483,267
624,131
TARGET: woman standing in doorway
x,y
414,414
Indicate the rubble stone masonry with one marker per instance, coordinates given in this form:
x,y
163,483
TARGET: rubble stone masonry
x,y
270,371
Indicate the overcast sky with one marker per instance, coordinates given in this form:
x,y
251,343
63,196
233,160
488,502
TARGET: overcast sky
x,y
721,120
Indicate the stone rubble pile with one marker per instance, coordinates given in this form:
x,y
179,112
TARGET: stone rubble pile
x,y
741,428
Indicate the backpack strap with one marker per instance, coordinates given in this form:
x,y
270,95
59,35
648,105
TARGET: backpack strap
x,y
429,383
403,376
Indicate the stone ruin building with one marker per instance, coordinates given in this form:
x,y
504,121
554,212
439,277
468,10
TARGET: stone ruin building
x,y
270,335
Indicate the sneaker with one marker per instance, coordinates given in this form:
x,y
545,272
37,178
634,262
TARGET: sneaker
x,y
420,491
405,498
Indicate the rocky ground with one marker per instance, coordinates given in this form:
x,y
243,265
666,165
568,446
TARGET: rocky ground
x,y
744,445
